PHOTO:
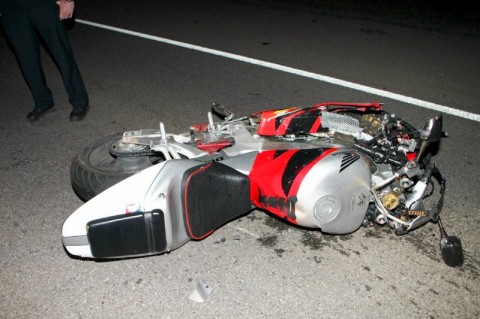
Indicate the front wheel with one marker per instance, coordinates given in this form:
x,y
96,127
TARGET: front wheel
x,y
102,164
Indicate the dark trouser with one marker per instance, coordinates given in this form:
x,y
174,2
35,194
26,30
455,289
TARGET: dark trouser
x,y
22,19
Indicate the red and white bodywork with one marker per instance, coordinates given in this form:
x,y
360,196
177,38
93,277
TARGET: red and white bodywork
x,y
291,163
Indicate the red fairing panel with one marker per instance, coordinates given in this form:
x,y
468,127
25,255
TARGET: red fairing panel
x,y
289,121
276,176
306,120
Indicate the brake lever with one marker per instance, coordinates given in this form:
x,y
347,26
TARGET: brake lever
x,y
222,111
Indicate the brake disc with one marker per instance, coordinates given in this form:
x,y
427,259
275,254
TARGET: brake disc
x,y
120,149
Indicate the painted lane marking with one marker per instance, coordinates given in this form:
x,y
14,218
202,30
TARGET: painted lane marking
x,y
286,69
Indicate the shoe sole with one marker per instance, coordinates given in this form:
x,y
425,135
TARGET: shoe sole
x,y
50,109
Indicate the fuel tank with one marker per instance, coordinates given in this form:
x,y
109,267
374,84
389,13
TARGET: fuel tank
x,y
326,188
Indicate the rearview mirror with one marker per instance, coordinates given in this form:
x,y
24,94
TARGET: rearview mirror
x,y
432,130
452,252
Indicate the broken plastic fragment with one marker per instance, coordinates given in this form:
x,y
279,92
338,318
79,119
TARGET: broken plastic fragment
x,y
201,292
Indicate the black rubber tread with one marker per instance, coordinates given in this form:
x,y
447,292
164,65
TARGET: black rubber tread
x,y
89,179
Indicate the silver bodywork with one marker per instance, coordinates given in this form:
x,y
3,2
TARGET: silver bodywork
x,y
347,192
334,201
339,193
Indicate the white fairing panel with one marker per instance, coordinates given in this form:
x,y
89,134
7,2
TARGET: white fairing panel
x,y
125,197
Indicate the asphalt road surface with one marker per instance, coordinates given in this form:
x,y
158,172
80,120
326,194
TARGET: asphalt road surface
x,y
258,266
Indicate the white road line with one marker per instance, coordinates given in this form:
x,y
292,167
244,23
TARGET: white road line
x,y
286,69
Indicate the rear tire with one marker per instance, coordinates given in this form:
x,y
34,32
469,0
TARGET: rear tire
x,y
94,169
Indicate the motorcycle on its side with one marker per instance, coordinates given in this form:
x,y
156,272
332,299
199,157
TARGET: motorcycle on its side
x,y
331,166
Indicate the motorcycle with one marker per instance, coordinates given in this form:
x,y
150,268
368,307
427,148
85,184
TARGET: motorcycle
x,y
331,166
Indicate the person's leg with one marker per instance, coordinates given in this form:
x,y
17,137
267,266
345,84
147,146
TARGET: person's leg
x,y
22,36
46,20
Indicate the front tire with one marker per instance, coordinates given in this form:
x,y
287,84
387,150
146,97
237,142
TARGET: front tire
x,y
95,168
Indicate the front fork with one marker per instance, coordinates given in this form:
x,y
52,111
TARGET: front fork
x,y
415,204
450,246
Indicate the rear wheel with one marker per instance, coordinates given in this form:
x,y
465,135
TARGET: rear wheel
x,y
106,162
